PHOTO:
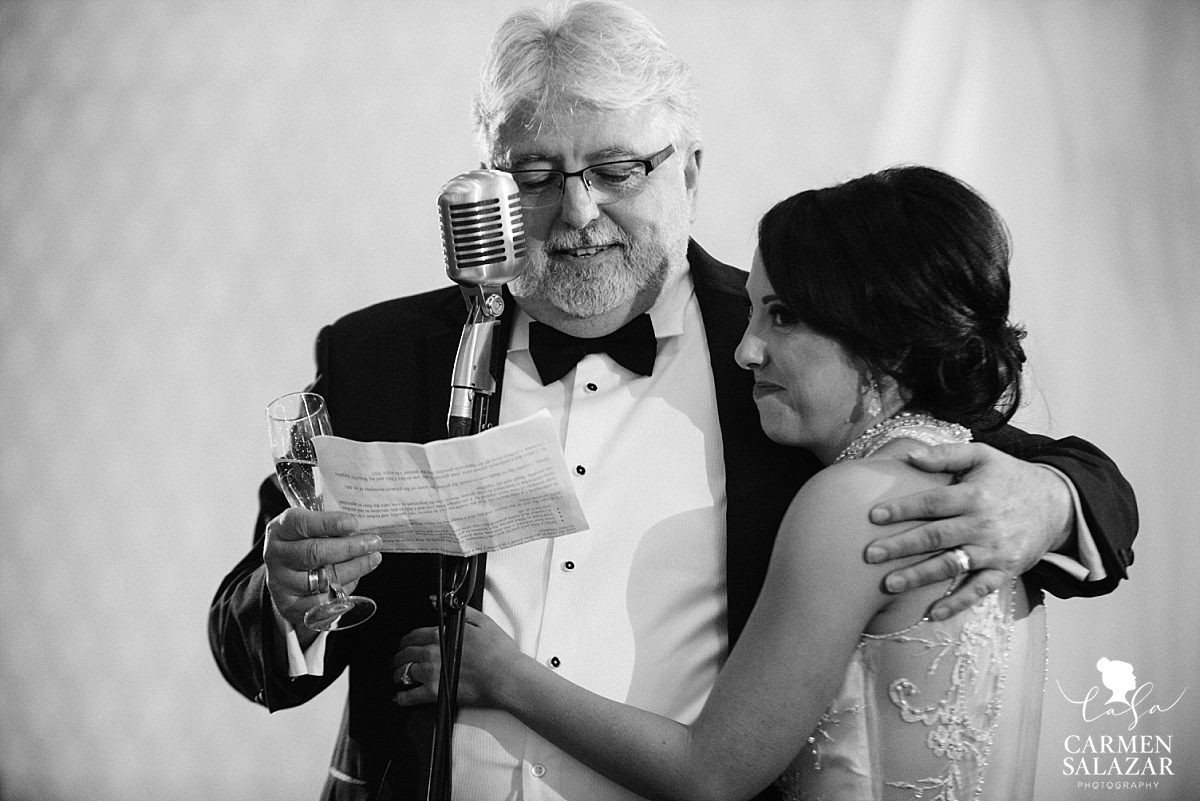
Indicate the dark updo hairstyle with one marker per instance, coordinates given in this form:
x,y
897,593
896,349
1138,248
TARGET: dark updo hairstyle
x,y
908,268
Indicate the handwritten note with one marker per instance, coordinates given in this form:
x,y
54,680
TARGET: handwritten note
x,y
457,497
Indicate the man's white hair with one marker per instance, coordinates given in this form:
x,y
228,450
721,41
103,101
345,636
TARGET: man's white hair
x,y
595,54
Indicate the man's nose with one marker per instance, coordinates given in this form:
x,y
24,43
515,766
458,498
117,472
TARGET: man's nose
x,y
578,208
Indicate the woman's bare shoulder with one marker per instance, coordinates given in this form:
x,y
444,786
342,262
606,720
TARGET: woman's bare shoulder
x,y
858,485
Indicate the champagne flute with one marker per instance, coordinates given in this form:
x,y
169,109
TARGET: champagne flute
x,y
292,421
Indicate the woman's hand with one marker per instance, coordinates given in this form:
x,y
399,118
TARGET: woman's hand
x,y
489,657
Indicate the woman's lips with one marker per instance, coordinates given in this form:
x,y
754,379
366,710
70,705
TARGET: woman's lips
x,y
765,388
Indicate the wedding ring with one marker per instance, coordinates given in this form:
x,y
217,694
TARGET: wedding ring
x,y
964,561
405,679
318,581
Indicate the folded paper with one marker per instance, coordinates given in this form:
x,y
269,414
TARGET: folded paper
x,y
459,497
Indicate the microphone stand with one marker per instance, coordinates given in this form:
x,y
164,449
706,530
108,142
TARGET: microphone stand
x,y
472,387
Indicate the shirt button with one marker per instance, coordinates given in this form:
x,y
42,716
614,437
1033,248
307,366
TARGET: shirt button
x,y
555,661
538,771
592,388
580,469
568,565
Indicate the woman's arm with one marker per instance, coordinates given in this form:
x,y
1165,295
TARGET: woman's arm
x,y
818,598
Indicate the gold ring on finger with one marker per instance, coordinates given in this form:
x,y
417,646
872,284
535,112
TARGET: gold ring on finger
x,y
318,581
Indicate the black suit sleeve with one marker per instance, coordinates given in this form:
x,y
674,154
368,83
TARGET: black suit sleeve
x,y
1109,505
242,631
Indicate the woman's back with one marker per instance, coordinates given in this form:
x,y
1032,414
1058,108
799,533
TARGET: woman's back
x,y
940,710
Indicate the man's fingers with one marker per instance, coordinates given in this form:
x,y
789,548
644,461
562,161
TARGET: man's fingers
x,y
975,587
951,458
345,574
928,538
350,555
931,504
296,524
308,541
945,565
341,552
348,573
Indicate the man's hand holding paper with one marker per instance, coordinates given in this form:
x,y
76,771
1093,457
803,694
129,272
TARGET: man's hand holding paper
x,y
460,496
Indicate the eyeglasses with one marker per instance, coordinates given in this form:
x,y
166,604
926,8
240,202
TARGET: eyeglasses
x,y
606,183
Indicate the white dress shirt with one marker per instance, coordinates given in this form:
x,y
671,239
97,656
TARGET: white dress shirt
x,y
633,608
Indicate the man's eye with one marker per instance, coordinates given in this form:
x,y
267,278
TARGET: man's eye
x,y
534,181
613,175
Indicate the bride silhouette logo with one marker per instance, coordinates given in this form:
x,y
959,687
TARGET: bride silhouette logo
x,y
1128,697
1118,677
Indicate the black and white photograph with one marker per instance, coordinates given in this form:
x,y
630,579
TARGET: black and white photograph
x,y
599,400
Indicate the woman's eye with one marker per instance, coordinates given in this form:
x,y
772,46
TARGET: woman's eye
x,y
781,316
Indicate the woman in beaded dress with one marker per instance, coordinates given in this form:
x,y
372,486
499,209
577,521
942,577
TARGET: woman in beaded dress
x,y
879,323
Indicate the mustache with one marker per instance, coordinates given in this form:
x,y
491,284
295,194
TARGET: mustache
x,y
594,235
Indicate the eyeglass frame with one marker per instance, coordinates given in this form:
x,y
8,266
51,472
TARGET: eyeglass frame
x,y
650,163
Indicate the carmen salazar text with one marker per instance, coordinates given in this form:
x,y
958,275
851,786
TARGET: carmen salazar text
x,y
1118,756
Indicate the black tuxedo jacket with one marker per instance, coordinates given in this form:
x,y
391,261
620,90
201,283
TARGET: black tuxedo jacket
x,y
385,374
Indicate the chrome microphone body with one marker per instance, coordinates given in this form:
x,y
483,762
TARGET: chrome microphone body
x,y
483,241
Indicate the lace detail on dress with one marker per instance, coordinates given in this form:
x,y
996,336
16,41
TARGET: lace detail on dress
x,y
964,719
962,667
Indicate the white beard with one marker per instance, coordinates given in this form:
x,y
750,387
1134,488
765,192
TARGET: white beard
x,y
588,291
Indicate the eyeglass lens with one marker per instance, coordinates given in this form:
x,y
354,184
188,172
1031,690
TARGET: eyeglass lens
x,y
607,183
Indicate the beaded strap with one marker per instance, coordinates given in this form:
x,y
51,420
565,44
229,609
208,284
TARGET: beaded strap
x,y
922,427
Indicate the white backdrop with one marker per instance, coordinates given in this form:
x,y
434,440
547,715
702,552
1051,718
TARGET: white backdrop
x,y
189,190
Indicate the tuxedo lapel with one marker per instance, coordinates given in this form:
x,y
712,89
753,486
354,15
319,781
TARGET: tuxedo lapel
x,y
725,309
761,477
438,353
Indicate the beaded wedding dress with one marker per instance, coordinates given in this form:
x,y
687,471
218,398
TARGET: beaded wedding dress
x,y
939,711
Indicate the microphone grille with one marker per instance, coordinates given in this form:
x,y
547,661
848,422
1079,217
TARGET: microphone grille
x,y
483,234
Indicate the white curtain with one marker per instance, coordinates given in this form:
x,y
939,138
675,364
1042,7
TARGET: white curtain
x,y
189,190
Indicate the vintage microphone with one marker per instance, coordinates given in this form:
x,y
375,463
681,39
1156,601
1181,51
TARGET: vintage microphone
x,y
483,240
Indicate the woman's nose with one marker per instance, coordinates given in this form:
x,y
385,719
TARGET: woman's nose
x,y
749,353
578,208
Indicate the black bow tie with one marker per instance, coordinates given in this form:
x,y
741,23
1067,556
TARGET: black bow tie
x,y
632,346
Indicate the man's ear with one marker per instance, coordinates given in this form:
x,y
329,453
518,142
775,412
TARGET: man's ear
x,y
691,177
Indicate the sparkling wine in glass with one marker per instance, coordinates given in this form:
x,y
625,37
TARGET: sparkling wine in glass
x,y
292,422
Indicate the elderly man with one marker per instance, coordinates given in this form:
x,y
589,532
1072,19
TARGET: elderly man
x,y
597,120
